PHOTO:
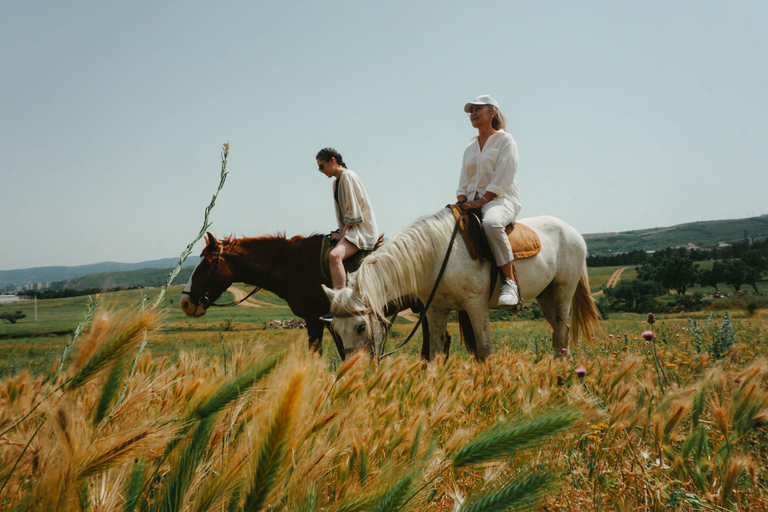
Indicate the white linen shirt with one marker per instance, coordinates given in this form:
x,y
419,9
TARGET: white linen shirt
x,y
354,209
491,170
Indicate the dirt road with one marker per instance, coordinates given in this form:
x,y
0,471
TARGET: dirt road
x,y
251,302
614,279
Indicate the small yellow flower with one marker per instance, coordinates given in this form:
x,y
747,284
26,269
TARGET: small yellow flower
x,y
671,365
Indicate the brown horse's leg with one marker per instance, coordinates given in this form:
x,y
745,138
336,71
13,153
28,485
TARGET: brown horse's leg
x,y
315,331
425,340
467,333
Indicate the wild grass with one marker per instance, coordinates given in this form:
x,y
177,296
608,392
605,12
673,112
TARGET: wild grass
x,y
283,428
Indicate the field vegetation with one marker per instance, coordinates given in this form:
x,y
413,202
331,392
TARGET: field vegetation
x,y
218,414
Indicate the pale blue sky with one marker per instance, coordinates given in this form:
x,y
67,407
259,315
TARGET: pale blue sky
x,y
628,115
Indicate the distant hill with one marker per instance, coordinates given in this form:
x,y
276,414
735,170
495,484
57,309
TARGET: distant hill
x,y
154,273
54,274
702,234
145,278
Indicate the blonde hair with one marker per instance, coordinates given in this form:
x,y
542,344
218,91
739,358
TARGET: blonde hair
x,y
498,119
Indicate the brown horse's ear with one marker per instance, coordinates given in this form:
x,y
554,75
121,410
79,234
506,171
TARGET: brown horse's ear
x,y
212,244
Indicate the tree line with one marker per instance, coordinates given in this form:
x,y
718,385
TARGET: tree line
x,y
667,271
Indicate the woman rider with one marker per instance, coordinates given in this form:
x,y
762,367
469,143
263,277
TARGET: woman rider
x,y
354,215
487,182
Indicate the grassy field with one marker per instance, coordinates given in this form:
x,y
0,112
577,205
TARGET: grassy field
x,y
218,414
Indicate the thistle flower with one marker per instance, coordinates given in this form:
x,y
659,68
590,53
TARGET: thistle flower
x,y
564,352
581,372
647,335
560,380
651,318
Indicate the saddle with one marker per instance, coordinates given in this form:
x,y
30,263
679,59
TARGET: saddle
x,y
524,241
351,264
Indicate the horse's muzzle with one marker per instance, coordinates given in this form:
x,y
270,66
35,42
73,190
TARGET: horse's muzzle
x,y
190,308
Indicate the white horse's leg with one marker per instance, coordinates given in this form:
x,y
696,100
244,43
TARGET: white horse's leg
x,y
438,321
555,303
481,325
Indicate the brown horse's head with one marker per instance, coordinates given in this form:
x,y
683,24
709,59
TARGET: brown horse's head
x,y
210,279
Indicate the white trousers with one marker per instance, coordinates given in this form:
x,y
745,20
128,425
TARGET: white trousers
x,y
496,216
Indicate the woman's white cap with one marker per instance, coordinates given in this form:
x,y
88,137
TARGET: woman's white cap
x,y
481,100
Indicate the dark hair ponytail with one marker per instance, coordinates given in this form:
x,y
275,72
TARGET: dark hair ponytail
x,y
326,154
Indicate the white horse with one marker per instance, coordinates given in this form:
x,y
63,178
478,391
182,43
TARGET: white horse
x,y
408,265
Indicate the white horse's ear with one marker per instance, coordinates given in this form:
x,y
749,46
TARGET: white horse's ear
x,y
330,293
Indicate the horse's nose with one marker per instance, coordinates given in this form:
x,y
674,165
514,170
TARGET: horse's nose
x,y
186,305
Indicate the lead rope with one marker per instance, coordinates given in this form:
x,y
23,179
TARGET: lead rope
x,y
434,288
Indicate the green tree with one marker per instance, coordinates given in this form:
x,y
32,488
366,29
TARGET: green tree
x,y
673,272
634,295
757,262
708,277
12,318
735,273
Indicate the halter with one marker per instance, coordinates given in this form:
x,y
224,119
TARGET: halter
x,y
205,301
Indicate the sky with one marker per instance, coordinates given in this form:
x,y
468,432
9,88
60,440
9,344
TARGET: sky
x,y
627,115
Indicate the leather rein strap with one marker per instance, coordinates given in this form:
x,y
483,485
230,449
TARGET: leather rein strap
x,y
434,288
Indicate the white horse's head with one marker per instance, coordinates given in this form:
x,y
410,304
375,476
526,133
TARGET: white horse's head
x,y
355,323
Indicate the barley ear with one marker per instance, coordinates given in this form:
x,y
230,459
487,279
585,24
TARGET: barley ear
x,y
133,491
274,446
503,441
183,470
521,493
121,344
396,496
230,392
109,390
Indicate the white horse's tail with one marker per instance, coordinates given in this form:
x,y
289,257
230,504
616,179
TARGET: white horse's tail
x,y
584,313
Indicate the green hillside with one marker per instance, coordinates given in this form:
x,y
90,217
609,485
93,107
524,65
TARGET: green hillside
x,y
702,234
144,278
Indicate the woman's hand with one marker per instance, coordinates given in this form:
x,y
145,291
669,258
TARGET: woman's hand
x,y
471,205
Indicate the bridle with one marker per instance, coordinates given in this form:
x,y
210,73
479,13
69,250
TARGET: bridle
x,y
204,300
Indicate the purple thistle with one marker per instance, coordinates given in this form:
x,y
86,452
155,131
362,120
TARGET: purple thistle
x,y
560,380
651,318
581,372
647,335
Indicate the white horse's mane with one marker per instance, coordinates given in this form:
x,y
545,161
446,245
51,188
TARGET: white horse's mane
x,y
399,268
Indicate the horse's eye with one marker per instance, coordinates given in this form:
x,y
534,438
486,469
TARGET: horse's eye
x,y
361,329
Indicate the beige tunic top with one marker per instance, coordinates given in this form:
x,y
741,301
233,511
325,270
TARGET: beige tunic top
x,y
354,209
491,169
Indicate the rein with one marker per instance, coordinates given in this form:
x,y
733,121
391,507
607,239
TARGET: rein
x,y
204,296
434,288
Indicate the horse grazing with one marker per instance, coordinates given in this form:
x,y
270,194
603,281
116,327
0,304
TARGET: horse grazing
x,y
289,268
409,263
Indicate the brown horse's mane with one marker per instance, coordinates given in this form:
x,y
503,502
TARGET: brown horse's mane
x,y
233,241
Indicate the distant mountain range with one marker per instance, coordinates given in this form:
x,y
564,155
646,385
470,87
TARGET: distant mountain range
x,y
56,274
153,273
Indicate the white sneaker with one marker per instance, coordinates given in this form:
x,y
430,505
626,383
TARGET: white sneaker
x,y
509,295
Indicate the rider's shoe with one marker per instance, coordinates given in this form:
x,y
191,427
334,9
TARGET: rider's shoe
x,y
510,295
328,317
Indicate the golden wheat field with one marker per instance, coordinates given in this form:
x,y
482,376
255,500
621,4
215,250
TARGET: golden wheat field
x,y
678,421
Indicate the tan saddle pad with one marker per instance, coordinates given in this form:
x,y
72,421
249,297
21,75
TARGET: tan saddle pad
x,y
524,241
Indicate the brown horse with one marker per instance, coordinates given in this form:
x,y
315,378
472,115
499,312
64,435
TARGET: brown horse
x,y
287,267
